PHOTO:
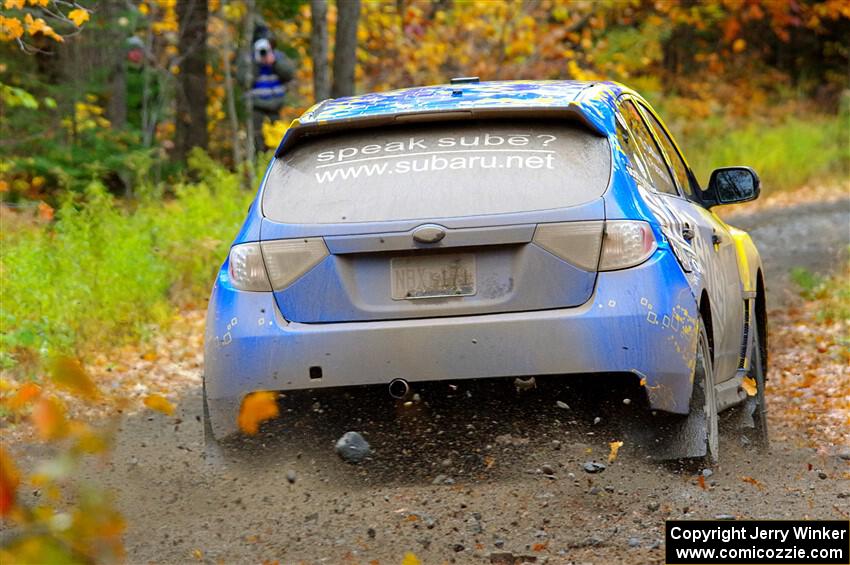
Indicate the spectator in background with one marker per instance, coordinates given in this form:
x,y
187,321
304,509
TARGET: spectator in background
x,y
270,70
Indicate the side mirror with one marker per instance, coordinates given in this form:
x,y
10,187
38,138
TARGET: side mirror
x,y
730,185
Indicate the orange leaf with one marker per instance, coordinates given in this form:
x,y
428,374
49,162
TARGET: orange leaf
x,y
615,447
753,481
159,403
45,212
256,408
67,372
9,480
539,546
701,482
749,385
48,416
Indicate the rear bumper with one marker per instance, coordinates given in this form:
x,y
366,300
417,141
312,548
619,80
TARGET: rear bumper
x,y
641,320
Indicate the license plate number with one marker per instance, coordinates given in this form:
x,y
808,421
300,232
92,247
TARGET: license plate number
x,y
432,276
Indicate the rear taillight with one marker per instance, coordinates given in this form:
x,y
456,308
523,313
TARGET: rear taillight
x,y
273,265
247,271
288,259
598,245
627,243
574,242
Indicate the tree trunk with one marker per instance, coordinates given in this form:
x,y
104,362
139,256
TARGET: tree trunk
x,y
319,49
116,54
191,120
230,92
345,50
247,56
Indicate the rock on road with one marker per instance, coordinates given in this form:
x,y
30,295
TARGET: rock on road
x,y
466,474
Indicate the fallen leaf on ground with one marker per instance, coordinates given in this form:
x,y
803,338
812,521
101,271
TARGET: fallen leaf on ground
x,y
753,481
159,403
701,482
256,408
615,447
749,385
410,559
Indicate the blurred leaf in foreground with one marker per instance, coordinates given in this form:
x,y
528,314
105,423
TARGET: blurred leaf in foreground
x,y
48,416
257,407
68,373
9,480
615,447
159,403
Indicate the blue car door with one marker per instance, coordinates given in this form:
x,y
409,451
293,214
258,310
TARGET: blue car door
x,y
713,244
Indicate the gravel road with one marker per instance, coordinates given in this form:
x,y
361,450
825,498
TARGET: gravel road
x,y
467,475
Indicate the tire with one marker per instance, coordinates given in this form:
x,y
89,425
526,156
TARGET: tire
x,y
211,445
757,405
704,398
695,437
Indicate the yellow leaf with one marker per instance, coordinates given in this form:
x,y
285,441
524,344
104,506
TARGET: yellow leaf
x,y
10,28
749,385
410,559
615,447
197,554
159,403
78,16
739,45
38,25
68,373
256,408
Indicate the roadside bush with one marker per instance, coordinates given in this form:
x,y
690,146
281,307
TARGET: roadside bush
x,y
787,155
103,271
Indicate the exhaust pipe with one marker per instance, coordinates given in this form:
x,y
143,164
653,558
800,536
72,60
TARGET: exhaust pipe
x,y
398,388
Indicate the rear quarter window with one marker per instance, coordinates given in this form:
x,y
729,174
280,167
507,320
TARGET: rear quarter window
x,y
437,171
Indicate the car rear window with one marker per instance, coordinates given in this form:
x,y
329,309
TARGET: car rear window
x,y
437,171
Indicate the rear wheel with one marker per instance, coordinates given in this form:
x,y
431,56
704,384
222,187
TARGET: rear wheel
x,y
211,446
704,398
694,437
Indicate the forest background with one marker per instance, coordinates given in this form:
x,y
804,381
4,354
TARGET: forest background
x,y
124,178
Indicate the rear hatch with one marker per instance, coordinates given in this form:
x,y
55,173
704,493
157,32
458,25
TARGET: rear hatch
x,y
439,219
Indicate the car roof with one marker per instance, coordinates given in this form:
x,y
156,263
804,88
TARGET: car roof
x,y
589,102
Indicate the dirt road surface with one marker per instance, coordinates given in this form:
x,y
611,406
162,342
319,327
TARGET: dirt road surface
x,y
468,473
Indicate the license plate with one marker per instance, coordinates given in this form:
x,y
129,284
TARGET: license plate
x,y
432,276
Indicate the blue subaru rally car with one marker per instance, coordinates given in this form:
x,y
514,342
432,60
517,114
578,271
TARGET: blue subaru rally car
x,y
492,229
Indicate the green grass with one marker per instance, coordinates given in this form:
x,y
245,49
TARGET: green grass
x,y
103,272
800,150
831,293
